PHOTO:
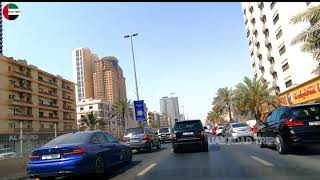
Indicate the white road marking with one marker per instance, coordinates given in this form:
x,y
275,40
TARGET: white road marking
x,y
147,169
264,162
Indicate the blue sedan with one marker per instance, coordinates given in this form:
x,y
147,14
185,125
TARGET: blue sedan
x,y
78,153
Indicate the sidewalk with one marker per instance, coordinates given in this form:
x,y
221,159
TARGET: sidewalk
x,y
13,168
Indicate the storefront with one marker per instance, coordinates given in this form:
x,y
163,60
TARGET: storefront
x,y
308,92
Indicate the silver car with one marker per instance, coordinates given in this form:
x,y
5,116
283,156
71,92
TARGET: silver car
x,y
236,131
7,153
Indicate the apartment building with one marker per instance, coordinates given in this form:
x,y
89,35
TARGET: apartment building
x,y
83,68
40,100
108,80
153,118
164,120
269,34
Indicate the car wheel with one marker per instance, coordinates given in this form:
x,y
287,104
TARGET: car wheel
x,y
282,148
159,146
151,147
260,141
99,165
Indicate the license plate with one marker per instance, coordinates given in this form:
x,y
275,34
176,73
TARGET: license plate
x,y
50,156
314,123
188,133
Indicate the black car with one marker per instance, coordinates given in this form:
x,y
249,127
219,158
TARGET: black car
x,y
189,133
287,127
141,138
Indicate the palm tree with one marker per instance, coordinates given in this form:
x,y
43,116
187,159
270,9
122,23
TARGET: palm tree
x,y
224,99
91,120
216,115
122,110
252,94
310,37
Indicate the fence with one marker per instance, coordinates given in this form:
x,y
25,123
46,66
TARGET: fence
x,y
22,143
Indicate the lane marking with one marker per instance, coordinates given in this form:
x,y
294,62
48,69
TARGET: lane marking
x,y
264,162
147,169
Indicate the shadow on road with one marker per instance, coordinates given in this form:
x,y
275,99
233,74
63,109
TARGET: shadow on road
x,y
145,151
112,172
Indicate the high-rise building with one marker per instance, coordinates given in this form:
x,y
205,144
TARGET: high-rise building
x,y
269,34
108,80
164,120
0,28
170,107
83,68
39,100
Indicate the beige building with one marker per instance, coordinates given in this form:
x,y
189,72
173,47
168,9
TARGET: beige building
x,y
40,100
108,80
269,34
83,68
164,120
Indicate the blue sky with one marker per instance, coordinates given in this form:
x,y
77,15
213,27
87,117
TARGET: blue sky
x,y
191,49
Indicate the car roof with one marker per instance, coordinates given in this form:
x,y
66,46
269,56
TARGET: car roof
x,y
195,120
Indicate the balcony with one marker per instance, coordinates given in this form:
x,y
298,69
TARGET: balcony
x,y
67,87
269,55
18,116
49,117
67,98
272,69
49,94
274,83
48,83
20,102
68,118
263,17
19,74
260,5
46,129
25,129
68,108
23,88
251,8
253,20
49,105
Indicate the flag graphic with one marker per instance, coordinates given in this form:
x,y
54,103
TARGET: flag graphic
x,y
11,11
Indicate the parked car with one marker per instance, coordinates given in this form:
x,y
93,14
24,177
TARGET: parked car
x,y
219,130
77,153
288,127
7,153
164,134
189,133
235,131
141,138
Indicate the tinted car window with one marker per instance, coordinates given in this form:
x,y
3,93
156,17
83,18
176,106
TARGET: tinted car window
x,y
69,139
164,130
283,114
101,137
110,138
274,115
135,131
188,125
306,111
239,125
268,119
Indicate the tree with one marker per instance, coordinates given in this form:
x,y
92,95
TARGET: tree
x,y
310,37
224,99
216,115
122,110
252,94
91,120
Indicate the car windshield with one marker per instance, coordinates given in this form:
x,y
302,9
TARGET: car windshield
x,y
188,125
71,138
240,125
164,130
135,131
306,111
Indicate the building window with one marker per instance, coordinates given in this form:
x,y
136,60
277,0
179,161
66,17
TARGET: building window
x,y
275,75
81,108
90,107
272,4
82,116
288,83
251,53
250,43
279,34
246,22
285,67
244,11
282,50
40,114
271,60
275,19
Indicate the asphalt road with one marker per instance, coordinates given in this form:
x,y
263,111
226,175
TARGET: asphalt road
x,y
237,162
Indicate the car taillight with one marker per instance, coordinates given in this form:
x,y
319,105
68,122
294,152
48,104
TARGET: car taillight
x,y
31,156
123,139
202,136
173,136
80,150
293,122
145,136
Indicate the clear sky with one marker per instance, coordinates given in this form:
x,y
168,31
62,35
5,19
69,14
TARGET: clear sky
x,y
191,49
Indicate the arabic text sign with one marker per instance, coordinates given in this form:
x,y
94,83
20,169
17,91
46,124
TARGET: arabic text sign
x,y
139,110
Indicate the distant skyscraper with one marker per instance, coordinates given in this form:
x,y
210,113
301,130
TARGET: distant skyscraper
x,y
170,107
1,28
108,80
83,68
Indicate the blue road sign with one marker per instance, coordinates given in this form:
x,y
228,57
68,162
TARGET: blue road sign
x,y
139,110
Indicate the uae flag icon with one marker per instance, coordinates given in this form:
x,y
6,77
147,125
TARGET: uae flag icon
x,y
11,11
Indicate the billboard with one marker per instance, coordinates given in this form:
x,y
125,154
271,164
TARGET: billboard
x,y
139,110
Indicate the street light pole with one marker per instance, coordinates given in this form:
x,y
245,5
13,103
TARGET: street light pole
x,y
134,68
